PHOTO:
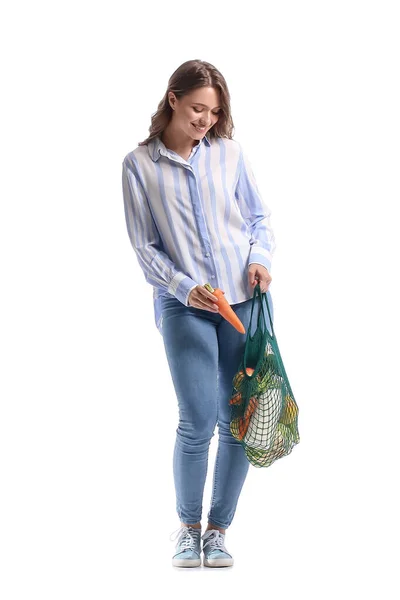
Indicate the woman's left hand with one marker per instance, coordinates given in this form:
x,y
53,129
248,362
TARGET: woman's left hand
x,y
260,273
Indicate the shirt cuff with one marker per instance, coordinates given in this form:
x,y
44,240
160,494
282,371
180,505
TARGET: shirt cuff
x,y
260,259
180,286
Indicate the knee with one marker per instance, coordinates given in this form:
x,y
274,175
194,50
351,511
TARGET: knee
x,y
199,430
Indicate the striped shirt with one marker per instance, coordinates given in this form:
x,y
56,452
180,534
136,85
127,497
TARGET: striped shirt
x,y
197,220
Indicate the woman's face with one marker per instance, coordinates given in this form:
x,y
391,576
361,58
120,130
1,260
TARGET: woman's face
x,y
200,108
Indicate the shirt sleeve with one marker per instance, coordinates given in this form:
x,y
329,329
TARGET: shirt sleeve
x,y
158,268
256,215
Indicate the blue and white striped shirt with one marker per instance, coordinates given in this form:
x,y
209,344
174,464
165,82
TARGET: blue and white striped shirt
x,y
197,220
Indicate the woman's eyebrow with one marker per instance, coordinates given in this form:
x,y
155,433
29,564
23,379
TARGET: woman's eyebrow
x,y
201,104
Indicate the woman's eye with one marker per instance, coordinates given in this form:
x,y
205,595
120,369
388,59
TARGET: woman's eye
x,y
196,110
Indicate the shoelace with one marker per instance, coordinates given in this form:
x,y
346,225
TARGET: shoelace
x,y
216,541
186,538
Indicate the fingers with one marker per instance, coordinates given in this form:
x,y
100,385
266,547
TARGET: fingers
x,y
213,307
203,299
204,291
207,301
254,280
264,284
261,276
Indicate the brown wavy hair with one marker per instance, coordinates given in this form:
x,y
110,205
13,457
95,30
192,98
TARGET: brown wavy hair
x,y
191,75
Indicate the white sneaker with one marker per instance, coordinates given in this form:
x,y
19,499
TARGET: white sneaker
x,y
187,548
215,553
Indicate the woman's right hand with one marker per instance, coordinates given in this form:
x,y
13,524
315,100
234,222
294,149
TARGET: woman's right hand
x,y
201,298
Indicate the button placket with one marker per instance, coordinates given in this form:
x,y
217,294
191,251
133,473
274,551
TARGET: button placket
x,y
203,222
201,225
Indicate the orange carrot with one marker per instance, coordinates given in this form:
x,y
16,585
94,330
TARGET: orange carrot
x,y
251,407
236,398
239,427
225,310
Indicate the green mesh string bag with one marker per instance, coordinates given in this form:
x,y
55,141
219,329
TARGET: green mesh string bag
x,y
264,413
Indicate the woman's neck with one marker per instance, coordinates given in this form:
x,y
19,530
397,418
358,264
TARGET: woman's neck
x,y
181,145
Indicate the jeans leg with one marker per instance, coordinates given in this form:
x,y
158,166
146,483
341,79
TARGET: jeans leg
x,y
191,345
231,464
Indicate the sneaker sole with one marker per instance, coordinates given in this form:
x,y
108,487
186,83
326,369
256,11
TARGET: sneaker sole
x,y
218,562
186,562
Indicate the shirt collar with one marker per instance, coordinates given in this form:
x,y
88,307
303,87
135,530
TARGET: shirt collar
x,y
156,147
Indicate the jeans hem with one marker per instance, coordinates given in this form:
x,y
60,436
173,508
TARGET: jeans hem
x,y
218,523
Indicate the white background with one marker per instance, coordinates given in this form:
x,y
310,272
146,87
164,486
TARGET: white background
x,y
88,409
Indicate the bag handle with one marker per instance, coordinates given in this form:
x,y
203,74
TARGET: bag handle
x,y
257,291
261,337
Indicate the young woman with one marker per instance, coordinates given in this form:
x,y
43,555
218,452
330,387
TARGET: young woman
x,y
194,215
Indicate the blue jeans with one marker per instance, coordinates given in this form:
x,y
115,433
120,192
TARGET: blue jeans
x,y
204,353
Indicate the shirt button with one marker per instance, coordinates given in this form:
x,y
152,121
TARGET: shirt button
x,y
208,254
212,276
